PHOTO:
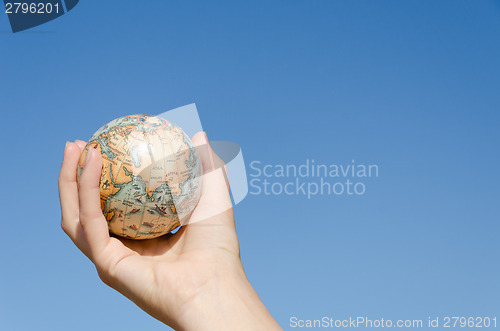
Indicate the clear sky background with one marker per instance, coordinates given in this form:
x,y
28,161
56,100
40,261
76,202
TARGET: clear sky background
x,y
413,86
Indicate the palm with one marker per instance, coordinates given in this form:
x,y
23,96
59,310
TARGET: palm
x,y
201,241
174,266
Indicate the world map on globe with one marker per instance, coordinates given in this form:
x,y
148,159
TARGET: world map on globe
x,y
151,175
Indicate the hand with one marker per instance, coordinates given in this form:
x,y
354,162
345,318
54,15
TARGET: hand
x,y
191,280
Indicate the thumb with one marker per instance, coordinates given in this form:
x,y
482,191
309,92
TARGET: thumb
x,y
215,195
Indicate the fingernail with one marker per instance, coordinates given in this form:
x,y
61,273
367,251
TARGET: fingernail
x,y
90,151
66,149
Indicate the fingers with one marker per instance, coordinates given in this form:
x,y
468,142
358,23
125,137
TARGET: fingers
x,y
81,144
91,218
68,196
82,218
68,189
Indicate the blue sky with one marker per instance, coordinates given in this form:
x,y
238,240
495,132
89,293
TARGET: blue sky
x,y
412,86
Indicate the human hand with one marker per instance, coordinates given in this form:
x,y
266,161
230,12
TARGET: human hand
x,y
191,280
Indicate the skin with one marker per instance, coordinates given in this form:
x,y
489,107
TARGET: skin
x,y
192,280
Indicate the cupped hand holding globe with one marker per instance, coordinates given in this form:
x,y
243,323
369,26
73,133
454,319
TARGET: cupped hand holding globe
x,y
190,280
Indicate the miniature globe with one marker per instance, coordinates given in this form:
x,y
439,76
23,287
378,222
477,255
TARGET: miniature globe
x,y
151,175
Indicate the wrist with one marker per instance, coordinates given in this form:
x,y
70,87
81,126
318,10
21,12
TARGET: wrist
x,y
227,302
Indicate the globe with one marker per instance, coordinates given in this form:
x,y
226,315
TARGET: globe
x,y
151,175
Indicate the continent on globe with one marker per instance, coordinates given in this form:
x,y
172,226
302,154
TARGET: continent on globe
x,y
151,175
